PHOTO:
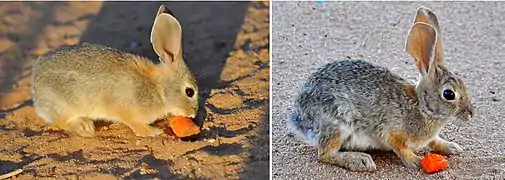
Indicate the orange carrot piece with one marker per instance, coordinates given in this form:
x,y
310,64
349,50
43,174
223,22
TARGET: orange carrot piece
x,y
183,127
433,163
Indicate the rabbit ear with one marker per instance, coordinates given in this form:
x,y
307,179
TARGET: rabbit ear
x,y
427,16
166,36
163,9
421,46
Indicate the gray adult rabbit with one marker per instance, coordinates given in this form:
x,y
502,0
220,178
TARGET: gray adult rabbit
x,y
75,85
355,106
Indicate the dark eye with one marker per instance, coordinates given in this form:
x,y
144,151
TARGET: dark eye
x,y
449,94
190,92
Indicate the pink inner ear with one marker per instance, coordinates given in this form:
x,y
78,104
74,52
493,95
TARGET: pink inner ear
x,y
426,65
168,54
422,66
419,66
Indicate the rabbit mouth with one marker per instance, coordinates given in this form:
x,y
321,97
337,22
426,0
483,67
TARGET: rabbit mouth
x,y
171,115
191,116
175,111
184,113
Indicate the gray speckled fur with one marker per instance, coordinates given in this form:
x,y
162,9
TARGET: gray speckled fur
x,y
355,93
369,98
89,80
355,105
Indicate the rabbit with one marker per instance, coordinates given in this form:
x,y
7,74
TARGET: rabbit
x,y
74,86
351,106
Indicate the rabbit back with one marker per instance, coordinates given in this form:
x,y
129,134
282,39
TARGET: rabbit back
x,y
90,79
356,106
355,98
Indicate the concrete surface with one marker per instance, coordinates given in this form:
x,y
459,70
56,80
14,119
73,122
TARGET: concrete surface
x,y
307,35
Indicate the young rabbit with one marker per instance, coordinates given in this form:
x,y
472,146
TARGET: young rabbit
x,y
75,85
356,106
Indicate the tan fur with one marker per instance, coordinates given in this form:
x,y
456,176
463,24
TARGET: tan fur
x,y
425,15
410,91
397,141
75,85
421,39
355,161
444,147
436,146
146,67
325,152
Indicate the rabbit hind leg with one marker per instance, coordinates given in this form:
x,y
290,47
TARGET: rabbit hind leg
x,y
42,113
79,125
330,153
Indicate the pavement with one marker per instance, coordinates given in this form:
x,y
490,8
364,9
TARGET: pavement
x,y
307,35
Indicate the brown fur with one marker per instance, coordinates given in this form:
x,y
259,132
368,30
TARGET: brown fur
x,y
410,91
397,141
325,152
436,146
145,66
356,161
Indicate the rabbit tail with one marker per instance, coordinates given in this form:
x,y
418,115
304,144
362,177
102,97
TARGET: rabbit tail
x,y
297,126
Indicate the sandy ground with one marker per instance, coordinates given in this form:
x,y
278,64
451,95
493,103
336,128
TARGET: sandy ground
x,y
307,35
225,45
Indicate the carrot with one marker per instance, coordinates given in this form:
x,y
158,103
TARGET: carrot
x,y
183,127
433,163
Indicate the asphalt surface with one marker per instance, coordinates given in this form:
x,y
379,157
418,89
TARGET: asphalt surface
x,y
307,35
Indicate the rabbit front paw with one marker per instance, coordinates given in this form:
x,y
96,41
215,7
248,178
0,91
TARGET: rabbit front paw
x,y
412,162
445,147
398,144
453,148
147,131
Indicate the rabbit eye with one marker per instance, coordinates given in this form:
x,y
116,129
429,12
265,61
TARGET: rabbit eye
x,y
190,92
449,94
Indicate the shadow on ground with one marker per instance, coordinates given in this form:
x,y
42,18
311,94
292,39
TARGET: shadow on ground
x,y
18,37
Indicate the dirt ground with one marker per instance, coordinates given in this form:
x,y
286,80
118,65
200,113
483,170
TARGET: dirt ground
x,y
225,45
307,35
